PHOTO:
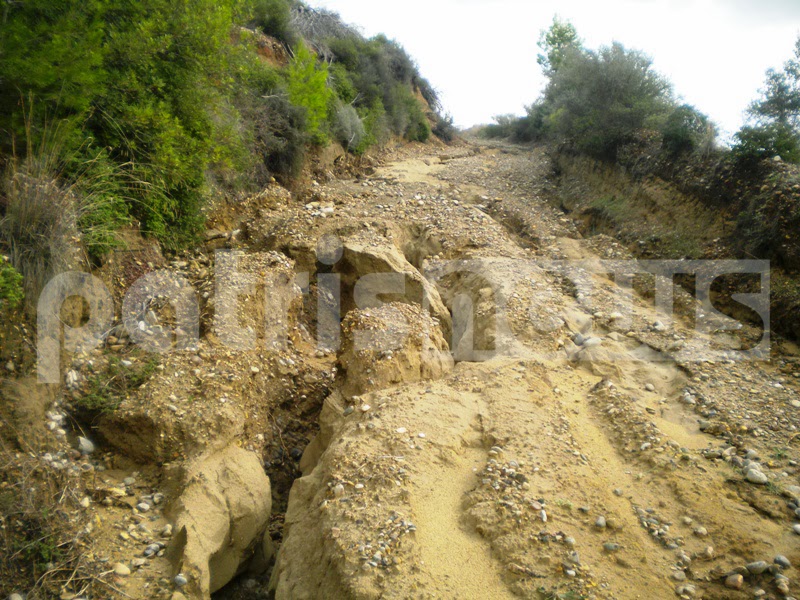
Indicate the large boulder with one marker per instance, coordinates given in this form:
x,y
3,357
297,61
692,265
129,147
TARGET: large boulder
x,y
220,520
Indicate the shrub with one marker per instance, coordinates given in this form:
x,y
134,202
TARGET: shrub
x,y
444,128
40,224
531,127
279,138
755,143
502,128
43,537
348,129
319,27
419,131
308,87
597,101
774,129
382,73
274,18
518,129
376,125
11,292
686,130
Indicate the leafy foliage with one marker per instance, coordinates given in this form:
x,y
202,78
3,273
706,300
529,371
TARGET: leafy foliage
x,y
348,129
686,129
308,87
598,100
381,77
157,101
774,129
274,18
11,292
555,43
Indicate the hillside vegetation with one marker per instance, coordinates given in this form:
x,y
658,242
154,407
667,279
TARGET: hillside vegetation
x,y
138,112
610,106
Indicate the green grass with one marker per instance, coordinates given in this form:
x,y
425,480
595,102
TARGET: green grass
x,y
110,387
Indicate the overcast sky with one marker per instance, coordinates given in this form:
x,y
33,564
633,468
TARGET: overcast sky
x,y
481,54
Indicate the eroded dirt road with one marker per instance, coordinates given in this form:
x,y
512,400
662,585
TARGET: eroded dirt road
x,y
581,446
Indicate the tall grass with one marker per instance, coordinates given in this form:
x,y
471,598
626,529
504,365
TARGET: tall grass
x,y
60,209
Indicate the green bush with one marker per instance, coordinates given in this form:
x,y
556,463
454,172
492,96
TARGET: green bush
x,y
444,128
529,128
380,73
279,138
686,129
11,291
754,144
348,129
158,102
376,125
274,18
775,117
147,83
597,101
308,87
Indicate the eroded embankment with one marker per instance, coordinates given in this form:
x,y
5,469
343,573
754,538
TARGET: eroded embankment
x,y
579,447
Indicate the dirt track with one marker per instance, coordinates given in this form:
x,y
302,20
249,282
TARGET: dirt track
x,y
533,428
525,452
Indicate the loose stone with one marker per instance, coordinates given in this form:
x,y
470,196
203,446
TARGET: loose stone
x,y
734,582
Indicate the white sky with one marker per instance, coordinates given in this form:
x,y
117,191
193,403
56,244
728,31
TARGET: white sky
x,y
481,54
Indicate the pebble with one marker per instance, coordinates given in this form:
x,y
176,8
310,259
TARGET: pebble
x,y
757,568
701,532
152,550
16,597
143,507
138,562
796,529
782,562
85,445
600,523
611,547
180,580
679,576
650,387
167,531
734,582
86,502
121,570
686,590
756,476
338,490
